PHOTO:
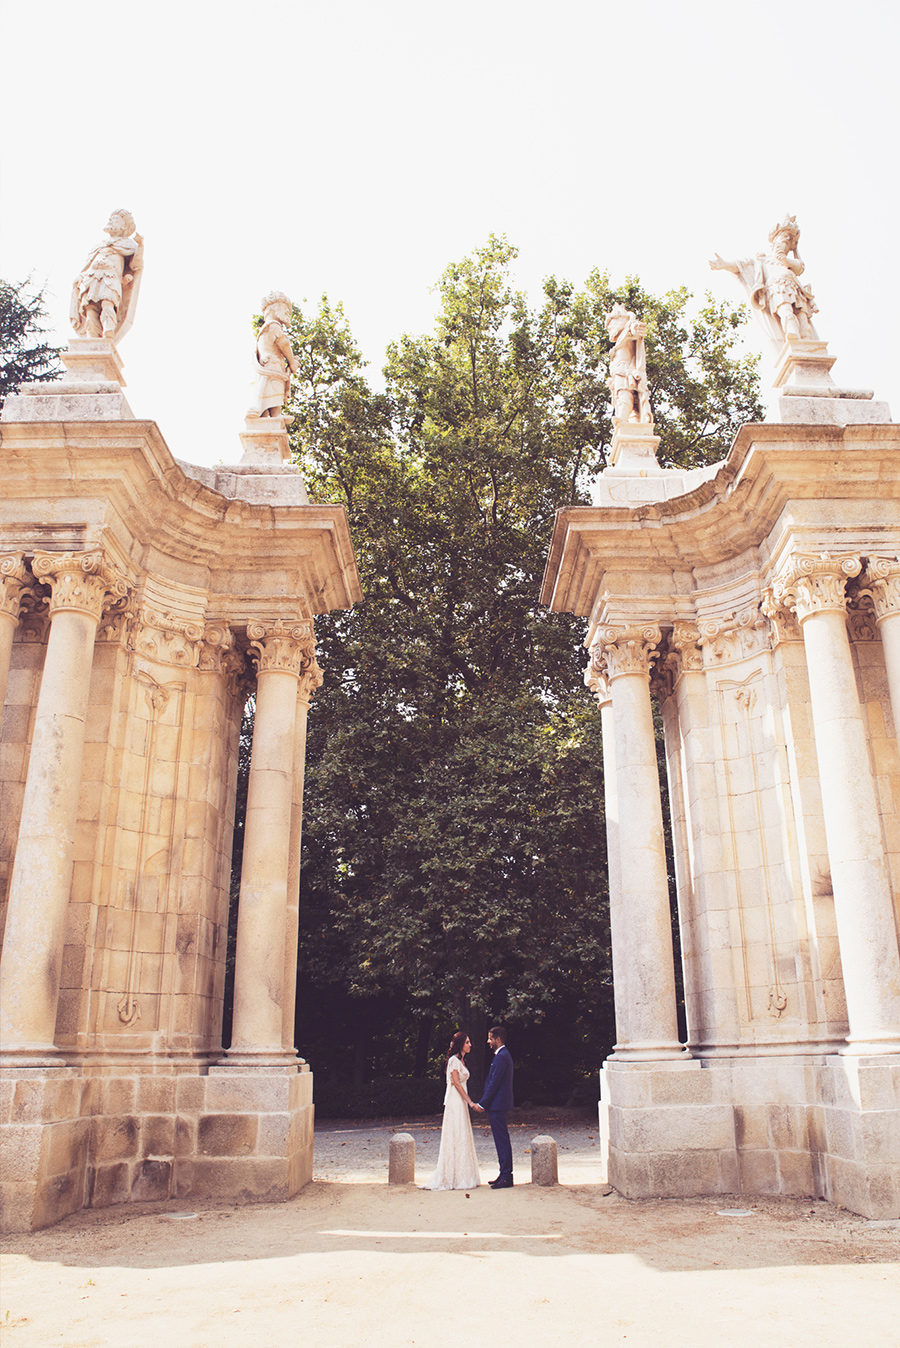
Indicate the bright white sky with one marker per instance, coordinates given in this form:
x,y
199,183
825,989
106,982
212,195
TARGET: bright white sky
x,y
359,146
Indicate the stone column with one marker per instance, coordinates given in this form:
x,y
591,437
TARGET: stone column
x,y
860,879
13,584
640,919
82,584
883,576
598,683
284,652
700,871
309,682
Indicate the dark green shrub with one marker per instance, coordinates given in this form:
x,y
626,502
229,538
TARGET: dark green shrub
x,y
387,1098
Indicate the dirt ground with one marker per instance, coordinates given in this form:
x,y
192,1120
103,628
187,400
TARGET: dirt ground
x,y
352,1261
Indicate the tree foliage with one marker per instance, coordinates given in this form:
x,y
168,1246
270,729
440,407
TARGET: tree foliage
x,y
454,857
24,357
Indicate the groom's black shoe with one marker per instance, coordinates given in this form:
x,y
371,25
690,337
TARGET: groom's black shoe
x,y
501,1183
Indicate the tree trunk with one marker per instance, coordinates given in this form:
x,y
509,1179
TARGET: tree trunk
x,y
423,1042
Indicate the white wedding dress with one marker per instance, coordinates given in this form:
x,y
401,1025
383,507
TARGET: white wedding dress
x,y
457,1166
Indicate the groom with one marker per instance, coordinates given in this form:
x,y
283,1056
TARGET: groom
x,y
496,1100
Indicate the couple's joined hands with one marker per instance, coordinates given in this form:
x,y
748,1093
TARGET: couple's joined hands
x,y
472,1105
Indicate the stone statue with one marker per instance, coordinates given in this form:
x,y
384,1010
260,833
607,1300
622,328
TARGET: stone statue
x,y
275,359
104,296
784,306
628,367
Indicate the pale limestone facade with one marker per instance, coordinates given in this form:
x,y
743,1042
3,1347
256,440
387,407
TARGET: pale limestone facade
x,y
141,600
759,600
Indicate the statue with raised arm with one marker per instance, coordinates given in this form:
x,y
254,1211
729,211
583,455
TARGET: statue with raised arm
x,y
275,359
104,296
628,367
784,306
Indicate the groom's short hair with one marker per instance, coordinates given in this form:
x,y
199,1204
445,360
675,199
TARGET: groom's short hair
x,y
498,1032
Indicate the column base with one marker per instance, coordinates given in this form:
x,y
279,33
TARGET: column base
x,y
73,1139
877,1046
801,1126
238,1057
34,1056
650,1052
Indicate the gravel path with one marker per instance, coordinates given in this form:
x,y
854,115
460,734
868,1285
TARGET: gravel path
x,y
356,1151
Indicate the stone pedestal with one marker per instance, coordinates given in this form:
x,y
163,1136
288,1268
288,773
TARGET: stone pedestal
x,y
265,442
92,389
809,395
633,449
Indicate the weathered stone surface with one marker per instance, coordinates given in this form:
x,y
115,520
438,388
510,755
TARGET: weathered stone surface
x,y
237,1179
402,1159
17,1199
157,1135
110,1184
227,1134
151,1181
115,1138
544,1166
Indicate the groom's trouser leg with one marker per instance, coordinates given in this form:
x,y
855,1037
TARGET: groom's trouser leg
x,y
502,1143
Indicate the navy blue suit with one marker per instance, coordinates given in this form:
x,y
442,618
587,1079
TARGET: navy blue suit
x,y
497,1100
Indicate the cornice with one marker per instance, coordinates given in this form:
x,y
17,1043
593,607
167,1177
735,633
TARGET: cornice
x,y
771,468
119,479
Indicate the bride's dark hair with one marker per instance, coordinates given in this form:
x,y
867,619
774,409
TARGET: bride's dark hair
x,y
456,1043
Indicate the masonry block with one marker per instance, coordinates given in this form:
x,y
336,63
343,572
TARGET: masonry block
x,y
227,1134
759,1172
680,1174
151,1181
157,1135
796,1174
110,1184
116,1139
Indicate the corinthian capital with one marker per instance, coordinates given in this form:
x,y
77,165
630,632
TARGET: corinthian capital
x,y
815,582
686,654
13,583
288,648
627,650
595,676
883,577
83,582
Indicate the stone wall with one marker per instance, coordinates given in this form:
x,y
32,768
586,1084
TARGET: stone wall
x,y
74,1139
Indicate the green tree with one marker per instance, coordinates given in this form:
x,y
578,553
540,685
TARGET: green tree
x,y
454,867
22,356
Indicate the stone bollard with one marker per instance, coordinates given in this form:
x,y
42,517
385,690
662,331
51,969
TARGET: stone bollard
x,y
402,1159
543,1160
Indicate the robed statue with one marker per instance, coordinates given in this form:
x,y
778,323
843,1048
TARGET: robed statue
x,y
628,367
104,296
275,359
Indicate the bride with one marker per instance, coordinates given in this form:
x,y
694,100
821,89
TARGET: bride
x,y
457,1166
